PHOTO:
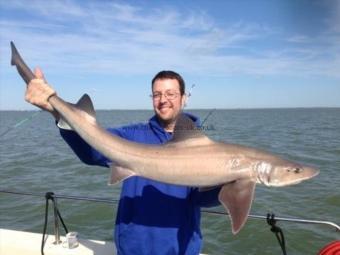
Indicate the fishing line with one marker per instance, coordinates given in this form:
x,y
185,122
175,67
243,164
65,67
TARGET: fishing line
x,y
209,114
18,124
189,94
190,90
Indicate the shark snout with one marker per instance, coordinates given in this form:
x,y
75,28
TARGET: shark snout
x,y
310,172
284,176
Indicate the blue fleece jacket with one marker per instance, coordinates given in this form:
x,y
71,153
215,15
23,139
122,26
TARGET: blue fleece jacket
x,y
152,217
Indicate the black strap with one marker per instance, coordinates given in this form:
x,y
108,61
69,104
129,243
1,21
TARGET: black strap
x,y
50,196
47,196
277,231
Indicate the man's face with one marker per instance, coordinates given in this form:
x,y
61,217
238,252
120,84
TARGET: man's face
x,y
167,109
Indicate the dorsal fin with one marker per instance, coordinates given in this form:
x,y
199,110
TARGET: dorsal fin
x,y
85,104
187,134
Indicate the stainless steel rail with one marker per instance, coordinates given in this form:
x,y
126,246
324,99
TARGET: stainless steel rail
x,y
296,220
115,201
92,199
55,207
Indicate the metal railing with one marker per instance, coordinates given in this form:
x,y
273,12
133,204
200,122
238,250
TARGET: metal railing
x,y
296,220
115,201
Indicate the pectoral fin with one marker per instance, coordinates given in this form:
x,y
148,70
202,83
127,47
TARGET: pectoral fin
x,y
237,198
119,174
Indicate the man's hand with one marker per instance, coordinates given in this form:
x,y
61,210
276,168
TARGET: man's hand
x,y
38,92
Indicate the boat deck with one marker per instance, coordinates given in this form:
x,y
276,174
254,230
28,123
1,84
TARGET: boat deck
x,y
14,242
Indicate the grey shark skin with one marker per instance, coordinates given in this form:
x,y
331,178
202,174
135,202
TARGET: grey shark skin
x,y
190,158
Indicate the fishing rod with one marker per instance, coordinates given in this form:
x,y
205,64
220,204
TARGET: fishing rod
x,y
115,201
189,94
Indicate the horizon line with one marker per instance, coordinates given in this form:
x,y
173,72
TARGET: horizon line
x,y
194,109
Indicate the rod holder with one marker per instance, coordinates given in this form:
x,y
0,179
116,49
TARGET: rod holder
x,y
56,222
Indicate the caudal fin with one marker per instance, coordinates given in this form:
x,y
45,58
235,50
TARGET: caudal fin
x,y
21,66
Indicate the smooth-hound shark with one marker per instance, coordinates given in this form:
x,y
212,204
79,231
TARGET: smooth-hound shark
x,y
190,158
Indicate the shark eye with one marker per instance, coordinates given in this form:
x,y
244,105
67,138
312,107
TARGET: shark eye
x,y
296,170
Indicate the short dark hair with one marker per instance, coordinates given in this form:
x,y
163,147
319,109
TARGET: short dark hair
x,y
170,75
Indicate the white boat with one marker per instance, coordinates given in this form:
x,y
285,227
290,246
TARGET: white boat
x,y
13,242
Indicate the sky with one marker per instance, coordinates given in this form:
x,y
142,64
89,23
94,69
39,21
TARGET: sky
x,y
235,54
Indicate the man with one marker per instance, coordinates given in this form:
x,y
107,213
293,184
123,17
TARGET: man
x,y
152,217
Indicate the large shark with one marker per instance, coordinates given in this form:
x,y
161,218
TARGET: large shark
x,y
190,158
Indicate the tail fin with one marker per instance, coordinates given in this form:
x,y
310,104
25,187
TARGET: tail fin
x,y
21,66
85,104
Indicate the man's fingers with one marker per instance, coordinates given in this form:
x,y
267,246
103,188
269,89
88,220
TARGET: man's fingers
x,y
38,73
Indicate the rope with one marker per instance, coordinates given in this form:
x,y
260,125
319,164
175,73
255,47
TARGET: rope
x,y
50,196
62,221
277,231
45,224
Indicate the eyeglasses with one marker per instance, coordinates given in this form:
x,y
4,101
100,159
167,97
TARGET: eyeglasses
x,y
170,95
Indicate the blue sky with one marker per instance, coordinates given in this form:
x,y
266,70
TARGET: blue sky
x,y
239,54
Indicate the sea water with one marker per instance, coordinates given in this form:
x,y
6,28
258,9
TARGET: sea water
x,y
34,159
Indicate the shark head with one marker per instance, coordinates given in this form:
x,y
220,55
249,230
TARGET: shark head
x,y
283,173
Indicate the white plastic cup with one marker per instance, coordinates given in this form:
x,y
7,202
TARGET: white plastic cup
x,y
71,241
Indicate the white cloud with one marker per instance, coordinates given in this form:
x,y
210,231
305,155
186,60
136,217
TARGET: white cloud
x,y
111,37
